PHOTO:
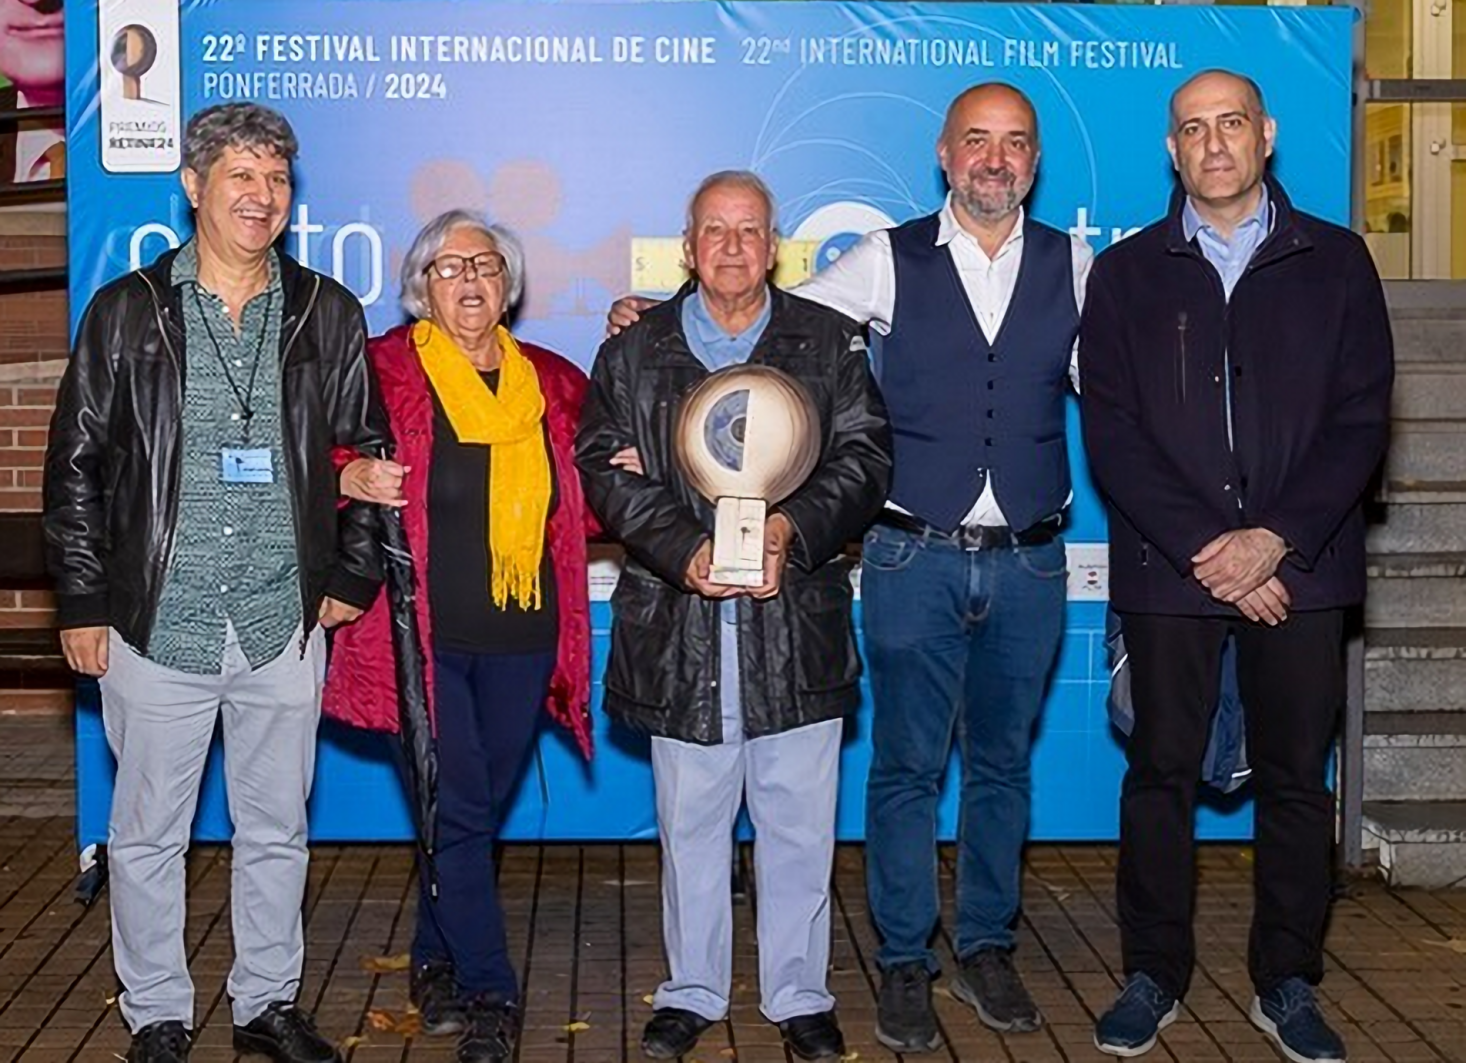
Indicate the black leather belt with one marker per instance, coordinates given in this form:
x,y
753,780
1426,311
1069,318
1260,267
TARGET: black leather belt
x,y
981,537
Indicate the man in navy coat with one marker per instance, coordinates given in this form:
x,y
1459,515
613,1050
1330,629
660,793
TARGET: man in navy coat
x,y
1237,365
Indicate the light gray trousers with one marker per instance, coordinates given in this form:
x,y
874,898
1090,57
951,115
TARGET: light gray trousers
x,y
790,781
159,724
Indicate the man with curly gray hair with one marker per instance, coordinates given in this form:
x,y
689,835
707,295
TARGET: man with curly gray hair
x,y
193,530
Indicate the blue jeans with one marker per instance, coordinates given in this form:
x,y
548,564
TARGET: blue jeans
x,y
487,707
958,641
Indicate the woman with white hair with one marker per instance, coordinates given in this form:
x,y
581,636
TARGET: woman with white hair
x,y
496,523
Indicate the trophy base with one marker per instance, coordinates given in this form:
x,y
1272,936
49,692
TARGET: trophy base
x,y
738,542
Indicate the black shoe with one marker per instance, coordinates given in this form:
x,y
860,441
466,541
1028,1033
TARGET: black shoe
x,y
990,983
905,1021
672,1032
491,1027
162,1042
286,1034
813,1036
433,990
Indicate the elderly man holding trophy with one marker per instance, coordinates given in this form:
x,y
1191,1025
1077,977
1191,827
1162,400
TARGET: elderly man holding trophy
x,y
734,441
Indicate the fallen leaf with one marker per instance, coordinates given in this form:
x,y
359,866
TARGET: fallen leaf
x,y
381,1020
648,999
351,1042
576,1027
109,1001
386,964
1454,944
850,1057
729,1053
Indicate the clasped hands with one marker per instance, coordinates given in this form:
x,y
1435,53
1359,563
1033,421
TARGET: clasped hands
x,y
1240,568
778,533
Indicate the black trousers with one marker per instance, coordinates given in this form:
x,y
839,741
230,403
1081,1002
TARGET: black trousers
x,y
1291,679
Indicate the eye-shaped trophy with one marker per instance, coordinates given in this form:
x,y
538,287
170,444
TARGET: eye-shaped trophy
x,y
746,438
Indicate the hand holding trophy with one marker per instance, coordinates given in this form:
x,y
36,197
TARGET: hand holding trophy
x,y
746,438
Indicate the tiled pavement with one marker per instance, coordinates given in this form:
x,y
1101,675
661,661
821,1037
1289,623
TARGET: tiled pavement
x,y
585,931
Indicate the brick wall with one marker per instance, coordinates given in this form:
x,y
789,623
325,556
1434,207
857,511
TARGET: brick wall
x,y
34,337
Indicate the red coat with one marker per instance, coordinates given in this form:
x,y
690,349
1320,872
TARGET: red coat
x,y
361,684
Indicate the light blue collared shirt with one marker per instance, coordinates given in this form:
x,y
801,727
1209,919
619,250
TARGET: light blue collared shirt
x,y
1230,257
717,349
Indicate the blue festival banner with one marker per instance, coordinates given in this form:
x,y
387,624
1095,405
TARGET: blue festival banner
x,y
584,127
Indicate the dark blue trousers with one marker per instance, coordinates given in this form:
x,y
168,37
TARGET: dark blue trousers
x,y
487,709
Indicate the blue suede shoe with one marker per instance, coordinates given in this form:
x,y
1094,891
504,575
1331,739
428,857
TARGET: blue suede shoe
x,y
1137,1017
1290,1015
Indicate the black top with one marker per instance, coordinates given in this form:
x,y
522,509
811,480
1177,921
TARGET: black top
x,y
465,619
1306,341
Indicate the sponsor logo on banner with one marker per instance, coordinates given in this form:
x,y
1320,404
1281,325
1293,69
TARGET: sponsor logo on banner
x,y
139,66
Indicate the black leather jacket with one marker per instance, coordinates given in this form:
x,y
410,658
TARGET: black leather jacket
x,y
798,663
113,461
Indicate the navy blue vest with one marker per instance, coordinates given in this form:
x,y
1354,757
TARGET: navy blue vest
x,y
960,405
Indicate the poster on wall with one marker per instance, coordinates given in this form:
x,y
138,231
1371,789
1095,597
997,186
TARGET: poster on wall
x,y
32,74
585,126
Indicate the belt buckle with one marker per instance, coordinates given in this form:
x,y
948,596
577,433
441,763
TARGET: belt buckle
x,y
971,539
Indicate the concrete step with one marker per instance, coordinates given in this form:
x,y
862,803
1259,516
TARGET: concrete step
x,y
1413,686
1416,590
1415,767
1428,319
1419,843
1428,337
1442,493
1414,644
1419,527
1427,452
1430,391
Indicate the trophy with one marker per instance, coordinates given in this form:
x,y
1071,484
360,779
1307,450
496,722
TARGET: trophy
x,y
745,438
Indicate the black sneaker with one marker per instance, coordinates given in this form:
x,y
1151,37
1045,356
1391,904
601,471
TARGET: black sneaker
x,y
1136,1018
1290,1015
905,1021
162,1042
990,983
433,990
286,1034
491,1027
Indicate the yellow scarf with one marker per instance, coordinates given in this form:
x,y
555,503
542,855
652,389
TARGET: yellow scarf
x,y
519,469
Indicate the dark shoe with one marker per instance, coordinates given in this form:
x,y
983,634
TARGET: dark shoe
x,y
1136,1018
162,1042
286,1034
1290,1015
905,1021
672,1032
990,983
491,1027
433,990
813,1036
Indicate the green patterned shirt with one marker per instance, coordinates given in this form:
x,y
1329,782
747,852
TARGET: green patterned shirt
x,y
234,551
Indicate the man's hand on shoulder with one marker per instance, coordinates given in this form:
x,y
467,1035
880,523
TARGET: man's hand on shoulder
x,y
626,312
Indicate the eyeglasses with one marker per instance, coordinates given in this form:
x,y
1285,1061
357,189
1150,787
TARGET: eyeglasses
x,y
483,264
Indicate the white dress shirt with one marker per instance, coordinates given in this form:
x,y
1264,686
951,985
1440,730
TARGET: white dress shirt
x,y
861,284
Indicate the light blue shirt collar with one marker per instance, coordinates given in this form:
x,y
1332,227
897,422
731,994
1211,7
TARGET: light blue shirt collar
x,y
714,347
1230,257
1192,223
